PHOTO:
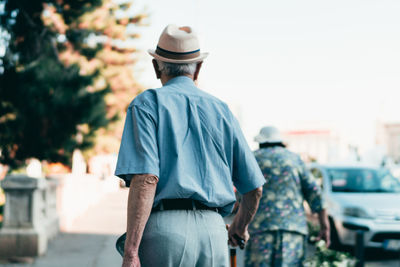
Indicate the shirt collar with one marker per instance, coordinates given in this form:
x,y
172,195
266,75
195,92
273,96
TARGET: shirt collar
x,y
180,79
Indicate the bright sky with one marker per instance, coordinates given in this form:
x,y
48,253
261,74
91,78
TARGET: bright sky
x,y
293,62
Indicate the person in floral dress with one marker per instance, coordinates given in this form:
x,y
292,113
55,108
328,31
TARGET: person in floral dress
x,y
278,231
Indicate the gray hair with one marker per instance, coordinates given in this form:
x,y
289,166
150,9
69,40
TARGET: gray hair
x,y
175,69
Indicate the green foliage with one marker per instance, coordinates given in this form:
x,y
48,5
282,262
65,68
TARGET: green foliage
x,y
47,108
323,256
22,19
62,57
73,9
111,31
41,108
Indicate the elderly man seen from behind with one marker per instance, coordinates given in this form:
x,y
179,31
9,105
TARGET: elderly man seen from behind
x,y
182,151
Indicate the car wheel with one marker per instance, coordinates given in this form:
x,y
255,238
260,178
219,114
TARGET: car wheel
x,y
335,241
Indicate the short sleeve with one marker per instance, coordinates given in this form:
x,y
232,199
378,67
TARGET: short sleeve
x,y
138,153
246,173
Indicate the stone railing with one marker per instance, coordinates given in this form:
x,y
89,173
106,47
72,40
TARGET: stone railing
x,y
37,208
30,216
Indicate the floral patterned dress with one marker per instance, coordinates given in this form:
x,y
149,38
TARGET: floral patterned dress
x,y
279,228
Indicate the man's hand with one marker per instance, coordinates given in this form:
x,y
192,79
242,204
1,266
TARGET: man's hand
x,y
237,236
131,261
237,232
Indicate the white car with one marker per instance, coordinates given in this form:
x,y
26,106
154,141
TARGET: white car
x,y
361,198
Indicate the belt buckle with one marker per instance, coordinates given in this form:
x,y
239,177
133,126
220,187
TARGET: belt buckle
x,y
193,205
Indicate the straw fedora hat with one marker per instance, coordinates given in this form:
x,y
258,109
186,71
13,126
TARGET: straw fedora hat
x,y
178,45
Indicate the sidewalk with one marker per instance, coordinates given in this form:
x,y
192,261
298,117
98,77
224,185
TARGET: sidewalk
x,y
91,241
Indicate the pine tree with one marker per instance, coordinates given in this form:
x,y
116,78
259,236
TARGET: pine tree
x,y
61,60
113,26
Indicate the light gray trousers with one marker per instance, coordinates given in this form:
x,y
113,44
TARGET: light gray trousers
x,y
184,238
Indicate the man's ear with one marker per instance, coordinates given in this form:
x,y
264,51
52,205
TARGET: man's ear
x,y
196,73
156,69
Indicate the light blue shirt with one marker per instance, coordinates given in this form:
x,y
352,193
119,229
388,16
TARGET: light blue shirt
x,y
191,141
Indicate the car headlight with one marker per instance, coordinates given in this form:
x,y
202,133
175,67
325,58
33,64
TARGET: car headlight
x,y
357,212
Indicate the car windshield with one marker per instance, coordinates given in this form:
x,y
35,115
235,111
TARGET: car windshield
x,y
363,180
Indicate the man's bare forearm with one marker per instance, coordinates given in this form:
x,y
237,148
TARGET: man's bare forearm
x,y
248,208
140,202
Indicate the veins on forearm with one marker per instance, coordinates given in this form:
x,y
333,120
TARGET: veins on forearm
x,y
140,201
249,206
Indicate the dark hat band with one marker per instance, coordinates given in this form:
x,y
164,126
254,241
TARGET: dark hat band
x,y
177,55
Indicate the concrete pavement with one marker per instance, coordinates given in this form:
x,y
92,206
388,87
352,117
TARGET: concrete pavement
x,y
91,240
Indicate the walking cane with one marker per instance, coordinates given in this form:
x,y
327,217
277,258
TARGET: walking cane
x,y
233,250
233,256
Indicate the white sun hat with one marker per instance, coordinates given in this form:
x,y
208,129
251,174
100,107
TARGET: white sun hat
x,y
269,134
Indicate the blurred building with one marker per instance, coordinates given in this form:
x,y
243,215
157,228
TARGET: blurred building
x,y
388,135
322,145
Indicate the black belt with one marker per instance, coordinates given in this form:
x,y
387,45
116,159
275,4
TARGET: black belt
x,y
181,204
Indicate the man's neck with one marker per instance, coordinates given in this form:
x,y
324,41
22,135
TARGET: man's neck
x,y
164,79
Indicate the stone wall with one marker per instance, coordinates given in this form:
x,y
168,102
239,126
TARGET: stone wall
x,y
30,216
37,208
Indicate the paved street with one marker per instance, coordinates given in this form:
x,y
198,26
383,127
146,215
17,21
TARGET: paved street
x,y
378,258
90,243
91,239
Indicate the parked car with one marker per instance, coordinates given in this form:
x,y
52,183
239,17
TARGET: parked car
x,y
361,198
